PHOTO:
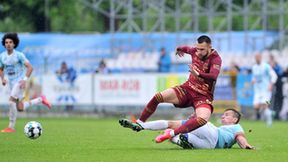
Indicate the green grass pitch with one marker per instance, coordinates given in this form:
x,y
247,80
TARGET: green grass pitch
x,y
78,139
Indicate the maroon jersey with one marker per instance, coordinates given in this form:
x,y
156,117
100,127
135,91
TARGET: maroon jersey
x,y
208,69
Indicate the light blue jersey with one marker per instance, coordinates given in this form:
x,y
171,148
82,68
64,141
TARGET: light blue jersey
x,y
227,134
263,75
13,66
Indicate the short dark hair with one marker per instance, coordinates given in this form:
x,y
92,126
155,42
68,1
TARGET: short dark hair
x,y
204,38
237,114
12,36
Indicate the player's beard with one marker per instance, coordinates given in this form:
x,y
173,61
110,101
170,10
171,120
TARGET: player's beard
x,y
203,57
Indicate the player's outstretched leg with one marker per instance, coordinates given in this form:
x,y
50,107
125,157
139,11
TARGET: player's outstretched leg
x,y
42,99
46,102
128,124
184,143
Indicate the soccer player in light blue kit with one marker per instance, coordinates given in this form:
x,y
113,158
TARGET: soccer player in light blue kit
x,y
231,131
17,69
263,80
208,136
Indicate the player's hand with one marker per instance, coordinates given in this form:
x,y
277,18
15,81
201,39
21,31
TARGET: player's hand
x,y
192,71
22,84
179,53
4,82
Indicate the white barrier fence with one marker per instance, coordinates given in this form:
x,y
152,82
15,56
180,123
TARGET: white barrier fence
x,y
114,89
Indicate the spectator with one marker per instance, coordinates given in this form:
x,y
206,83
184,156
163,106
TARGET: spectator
x,y
164,61
277,93
284,110
233,72
274,64
102,69
66,74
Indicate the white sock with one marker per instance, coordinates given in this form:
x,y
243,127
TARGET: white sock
x,y
268,116
176,140
12,114
154,125
172,133
32,102
139,121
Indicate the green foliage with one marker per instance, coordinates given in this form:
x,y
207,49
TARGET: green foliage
x,y
80,139
8,25
72,16
62,16
203,23
237,23
21,15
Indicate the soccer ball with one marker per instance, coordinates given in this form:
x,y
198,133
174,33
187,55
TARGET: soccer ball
x,y
33,129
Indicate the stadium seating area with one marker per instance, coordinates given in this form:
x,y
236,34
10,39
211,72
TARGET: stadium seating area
x,y
134,62
148,62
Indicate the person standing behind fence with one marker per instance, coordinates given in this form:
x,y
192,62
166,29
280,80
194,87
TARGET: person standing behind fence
x,y
232,73
277,93
164,61
102,68
284,110
67,76
263,80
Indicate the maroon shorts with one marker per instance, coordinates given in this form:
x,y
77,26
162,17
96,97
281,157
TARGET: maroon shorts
x,y
188,97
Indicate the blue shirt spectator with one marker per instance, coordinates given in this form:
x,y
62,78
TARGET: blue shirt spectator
x,y
66,74
102,69
164,61
276,67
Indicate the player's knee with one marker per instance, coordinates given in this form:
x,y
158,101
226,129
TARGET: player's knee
x,y
256,106
174,124
170,96
203,113
204,116
20,109
202,121
20,106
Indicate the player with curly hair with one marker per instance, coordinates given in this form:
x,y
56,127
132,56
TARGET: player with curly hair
x,y
16,67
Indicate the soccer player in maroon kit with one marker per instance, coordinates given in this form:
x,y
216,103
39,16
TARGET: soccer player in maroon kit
x,y
197,91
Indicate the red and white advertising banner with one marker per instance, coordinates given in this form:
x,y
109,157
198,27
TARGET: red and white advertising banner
x,y
129,89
